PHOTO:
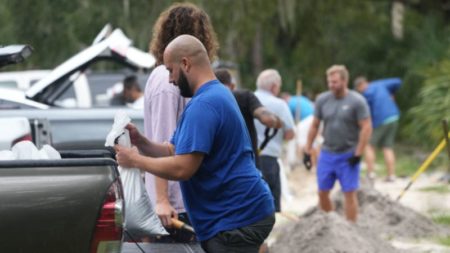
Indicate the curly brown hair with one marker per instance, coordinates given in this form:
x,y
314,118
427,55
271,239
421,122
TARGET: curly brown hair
x,y
178,19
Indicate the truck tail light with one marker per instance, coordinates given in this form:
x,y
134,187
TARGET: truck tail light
x,y
108,232
26,137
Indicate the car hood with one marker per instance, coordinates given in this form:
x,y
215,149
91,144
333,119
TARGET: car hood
x,y
18,96
116,46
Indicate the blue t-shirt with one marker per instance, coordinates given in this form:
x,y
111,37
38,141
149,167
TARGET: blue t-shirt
x,y
379,97
227,191
306,106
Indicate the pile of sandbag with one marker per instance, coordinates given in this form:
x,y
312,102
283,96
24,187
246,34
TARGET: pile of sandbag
x,y
26,150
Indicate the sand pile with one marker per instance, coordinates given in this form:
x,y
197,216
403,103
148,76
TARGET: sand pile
x,y
328,233
380,220
389,218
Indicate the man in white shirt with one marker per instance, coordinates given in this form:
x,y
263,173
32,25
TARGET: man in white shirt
x,y
268,87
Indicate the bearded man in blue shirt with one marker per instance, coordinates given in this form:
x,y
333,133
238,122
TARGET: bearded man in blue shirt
x,y
229,204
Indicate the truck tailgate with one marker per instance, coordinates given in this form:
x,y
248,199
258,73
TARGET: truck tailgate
x,y
52,205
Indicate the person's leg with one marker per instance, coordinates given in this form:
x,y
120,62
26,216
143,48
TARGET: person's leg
x,y
388,151
348,176
271,174
325,179
325,201
351,206
370,160
389,159
369,151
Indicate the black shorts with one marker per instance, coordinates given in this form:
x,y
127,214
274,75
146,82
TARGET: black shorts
x,y
247,239
271,173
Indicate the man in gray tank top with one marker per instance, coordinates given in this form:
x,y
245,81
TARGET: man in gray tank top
x,y
347,129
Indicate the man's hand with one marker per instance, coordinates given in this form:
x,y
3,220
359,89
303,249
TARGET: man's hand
x,y
165,212
135,136
307,160
126,157
354,160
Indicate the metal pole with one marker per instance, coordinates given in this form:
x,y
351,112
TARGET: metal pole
x,y
423,167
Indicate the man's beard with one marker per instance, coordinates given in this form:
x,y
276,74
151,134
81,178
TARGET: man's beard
x,y
183,85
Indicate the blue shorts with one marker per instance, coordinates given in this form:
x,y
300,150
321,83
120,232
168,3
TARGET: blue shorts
x,y
332,166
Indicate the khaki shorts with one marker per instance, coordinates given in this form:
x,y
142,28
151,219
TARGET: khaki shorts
x,y
384,135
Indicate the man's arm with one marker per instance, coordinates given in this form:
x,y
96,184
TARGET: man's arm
x,y
146,146
312,133
163,207
178,167
365,132
289,134
267,118
392,84
288,122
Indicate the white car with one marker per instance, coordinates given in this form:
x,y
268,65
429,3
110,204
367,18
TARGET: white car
x,y
21,80
68,85
71,98
15,99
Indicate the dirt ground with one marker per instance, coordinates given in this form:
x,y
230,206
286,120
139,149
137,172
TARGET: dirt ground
x,y
414,233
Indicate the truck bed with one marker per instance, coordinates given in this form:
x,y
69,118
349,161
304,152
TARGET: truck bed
x,y
52,205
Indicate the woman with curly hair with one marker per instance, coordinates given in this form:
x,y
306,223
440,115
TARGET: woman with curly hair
x,y
163,104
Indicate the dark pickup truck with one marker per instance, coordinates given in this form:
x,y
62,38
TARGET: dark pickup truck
x,y
70,205
74,204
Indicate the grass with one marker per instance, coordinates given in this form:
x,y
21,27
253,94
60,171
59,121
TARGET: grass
x,y
438,189
443,218
444,241
408,160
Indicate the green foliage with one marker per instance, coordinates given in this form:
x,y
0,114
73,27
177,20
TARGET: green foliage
x,y
433,104
299,38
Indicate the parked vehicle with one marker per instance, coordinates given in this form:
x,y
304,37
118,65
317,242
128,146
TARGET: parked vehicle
x,y
13,54
70,205
74,100
69,81
77,128
21,80
15,99
74,204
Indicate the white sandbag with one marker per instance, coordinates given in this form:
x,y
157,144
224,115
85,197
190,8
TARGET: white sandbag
x,y
140,218
26,150
50,152
7,155
285,192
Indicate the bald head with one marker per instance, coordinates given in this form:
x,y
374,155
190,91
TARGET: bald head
x,y
186,46
188,64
